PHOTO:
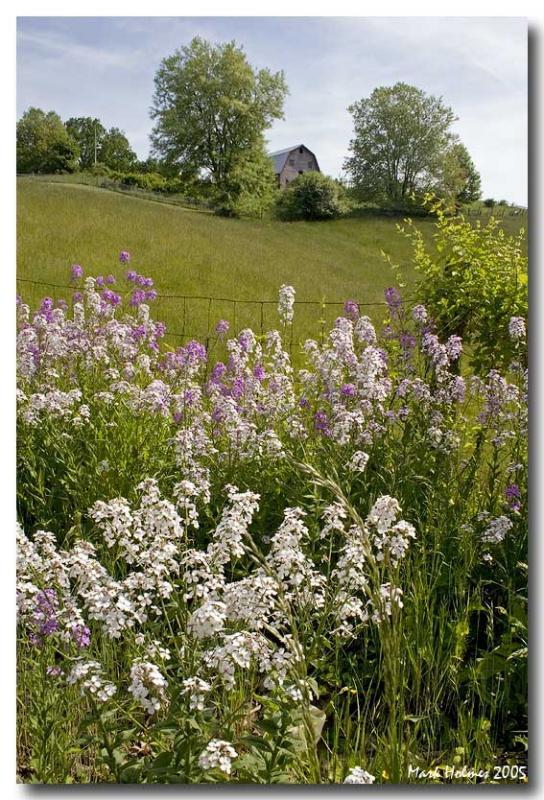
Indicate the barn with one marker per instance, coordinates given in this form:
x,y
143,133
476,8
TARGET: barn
x,y
293,161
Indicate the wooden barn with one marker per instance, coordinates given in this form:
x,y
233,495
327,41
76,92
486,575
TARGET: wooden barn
x,y
292,162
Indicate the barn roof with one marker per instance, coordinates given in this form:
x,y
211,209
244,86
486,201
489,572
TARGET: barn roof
x,y
279,157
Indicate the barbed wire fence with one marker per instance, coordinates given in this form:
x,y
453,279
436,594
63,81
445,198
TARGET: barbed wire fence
x,y
238,320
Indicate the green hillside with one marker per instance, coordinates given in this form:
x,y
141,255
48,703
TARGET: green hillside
x,y
190,252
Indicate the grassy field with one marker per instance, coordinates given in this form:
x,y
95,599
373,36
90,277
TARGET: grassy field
x,y
190,252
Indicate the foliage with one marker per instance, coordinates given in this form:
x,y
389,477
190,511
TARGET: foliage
x,y
401,137
311,196
265,574
43,144
251,188
473,279
115,151
89,134
459,180
211,108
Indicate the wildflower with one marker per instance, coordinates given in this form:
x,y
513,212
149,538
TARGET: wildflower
x,y
131,276
286,304
359,775
124,257
208,619
351,309
81,635
348,390
88,675
147,686
111,297
358,461
222,327
137,297
516,328
218,753
497,530
77,271
197,689
110,280
513,494
321,422
259,372
407,341
392,297
364,331
419,314
54,672
383,513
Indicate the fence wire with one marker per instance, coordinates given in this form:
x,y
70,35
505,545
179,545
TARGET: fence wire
x,y
185,301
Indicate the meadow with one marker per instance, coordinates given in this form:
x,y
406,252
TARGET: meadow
x,y
276,567
193,252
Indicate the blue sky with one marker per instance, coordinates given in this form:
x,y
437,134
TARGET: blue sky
x,y
104,67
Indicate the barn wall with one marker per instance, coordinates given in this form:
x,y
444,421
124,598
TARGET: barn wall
x,y
301,162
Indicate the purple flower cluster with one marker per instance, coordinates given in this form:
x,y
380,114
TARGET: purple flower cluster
x,y
139,280
44,620
124,256
393,298
351,309
222,327
513,496
77,271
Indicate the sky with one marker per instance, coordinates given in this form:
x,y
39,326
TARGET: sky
x,y
104,67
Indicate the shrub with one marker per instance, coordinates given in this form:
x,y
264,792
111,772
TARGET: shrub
x,y
150,181
489,202
311,196
473,280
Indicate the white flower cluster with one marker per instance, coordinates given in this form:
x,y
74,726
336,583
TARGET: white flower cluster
x,y
286,303
516,328
497,530
218,754
197,689
358,461
148,686
359,775
88,676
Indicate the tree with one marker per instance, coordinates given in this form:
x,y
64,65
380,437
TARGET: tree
x,y
251,187
89,134
43,144
116,152
460,180
211,107
400,139
311,196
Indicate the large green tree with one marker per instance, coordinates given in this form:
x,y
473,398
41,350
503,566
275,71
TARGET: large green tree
x,y
211,107
401,136
116,152
469,186
89,134
43,143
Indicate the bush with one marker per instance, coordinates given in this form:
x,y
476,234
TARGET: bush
x,y
474,279
311,196
489,202
150,181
